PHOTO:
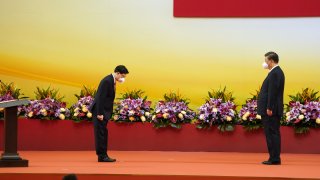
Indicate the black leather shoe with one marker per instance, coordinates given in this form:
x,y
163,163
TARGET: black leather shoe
x,y
106,159
271,162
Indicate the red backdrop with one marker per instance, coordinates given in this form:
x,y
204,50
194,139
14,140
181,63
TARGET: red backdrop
x,y
246,8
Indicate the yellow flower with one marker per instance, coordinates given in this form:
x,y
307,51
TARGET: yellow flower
x,y
258,116
244,117
214,110
131,118
61,116
180,115
183,112
62,109
84,109
247,114
75,114
288,114
153,117
229,118
301,117
147,114
76,109
1,109
30,114
318,120
115,117
165,115
143,119
89,115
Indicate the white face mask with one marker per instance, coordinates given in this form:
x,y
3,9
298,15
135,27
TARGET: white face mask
x,y
265,65
121,80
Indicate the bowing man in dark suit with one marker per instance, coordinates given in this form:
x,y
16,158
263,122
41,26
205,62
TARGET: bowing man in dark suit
x,y
102,109
270,106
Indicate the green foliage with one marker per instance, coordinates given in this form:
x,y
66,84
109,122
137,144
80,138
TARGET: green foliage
x,y
175,97
86,91
255,94
223,94
48,93
133,94
306,95
10,88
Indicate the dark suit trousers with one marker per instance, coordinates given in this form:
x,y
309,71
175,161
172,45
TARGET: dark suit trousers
x,y
271,127
101,135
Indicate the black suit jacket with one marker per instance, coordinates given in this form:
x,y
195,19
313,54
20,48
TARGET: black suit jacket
x,y
103,101
271,93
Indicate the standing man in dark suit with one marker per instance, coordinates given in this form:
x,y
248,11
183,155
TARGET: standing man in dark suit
x,y
270,106
102,109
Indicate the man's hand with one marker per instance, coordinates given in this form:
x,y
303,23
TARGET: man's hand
x,y
100,117
269,112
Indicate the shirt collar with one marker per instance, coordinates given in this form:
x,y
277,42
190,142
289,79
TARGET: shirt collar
x,y
114,79
274,67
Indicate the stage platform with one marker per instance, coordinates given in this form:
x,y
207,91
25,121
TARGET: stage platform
x,y
167,165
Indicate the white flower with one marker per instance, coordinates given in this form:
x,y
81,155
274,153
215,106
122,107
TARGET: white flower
x,y
247,114
232,111
288,118
214,110
89,115
157,111
258,116
183,112
76,109
62,110
201,117
288,114
131,112
61,116
147,114
143,119
318,120
75,114
30,114
180,115
301,117
229,118
153,117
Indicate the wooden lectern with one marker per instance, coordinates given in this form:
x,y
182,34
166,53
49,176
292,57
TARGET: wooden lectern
x,y
10,156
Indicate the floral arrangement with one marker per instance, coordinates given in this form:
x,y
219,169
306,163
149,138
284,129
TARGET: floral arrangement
x,y
218,110
173,111
248,115
133,107
80,110
8,91
46,109
48,105
303,111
